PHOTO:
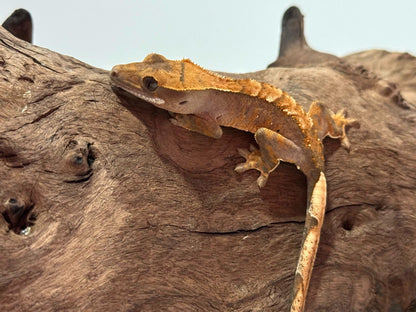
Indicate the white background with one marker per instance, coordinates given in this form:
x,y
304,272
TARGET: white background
x,y
223,35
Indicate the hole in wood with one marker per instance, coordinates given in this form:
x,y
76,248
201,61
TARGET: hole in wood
x,y
347,225
18,215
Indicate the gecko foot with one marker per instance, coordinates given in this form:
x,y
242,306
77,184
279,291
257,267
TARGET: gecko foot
x,y
329,124
341,121
253,161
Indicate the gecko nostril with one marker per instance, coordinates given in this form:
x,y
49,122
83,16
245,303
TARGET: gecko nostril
x,y
115,71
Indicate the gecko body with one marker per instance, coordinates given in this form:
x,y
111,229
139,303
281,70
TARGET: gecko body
x,y
203,101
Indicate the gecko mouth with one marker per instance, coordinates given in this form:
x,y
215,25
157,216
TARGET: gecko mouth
x,y
137,93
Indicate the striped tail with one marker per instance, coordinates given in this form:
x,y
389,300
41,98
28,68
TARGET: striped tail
x,y
313,224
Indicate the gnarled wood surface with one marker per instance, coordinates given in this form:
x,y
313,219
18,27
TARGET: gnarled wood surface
x,y
130,213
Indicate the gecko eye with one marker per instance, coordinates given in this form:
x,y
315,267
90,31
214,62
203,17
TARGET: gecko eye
x,y
150,83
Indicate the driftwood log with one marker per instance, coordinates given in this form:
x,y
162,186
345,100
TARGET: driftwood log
x,y
106,206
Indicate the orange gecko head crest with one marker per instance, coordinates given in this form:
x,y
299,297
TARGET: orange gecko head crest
x,y
181,75
158,80
158,70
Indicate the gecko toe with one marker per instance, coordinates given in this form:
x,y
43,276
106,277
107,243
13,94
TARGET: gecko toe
x,y
262,180
243,167
174,121
252,157
354,123
342,112
253,149
243,152
345,143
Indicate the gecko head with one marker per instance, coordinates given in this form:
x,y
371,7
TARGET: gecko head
x,y
164,83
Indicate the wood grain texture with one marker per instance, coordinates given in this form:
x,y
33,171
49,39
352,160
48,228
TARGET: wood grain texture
x,y
130,213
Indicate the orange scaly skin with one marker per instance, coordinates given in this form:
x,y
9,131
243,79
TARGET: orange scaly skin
x,y
202,101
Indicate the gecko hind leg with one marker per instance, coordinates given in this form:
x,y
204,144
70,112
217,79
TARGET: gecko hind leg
x,y
273,147
330,124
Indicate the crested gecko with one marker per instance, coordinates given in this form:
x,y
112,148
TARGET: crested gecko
x,y
203,101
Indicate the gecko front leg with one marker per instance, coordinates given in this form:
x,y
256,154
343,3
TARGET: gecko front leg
x,y
205,126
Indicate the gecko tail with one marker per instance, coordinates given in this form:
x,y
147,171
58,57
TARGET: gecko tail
x,y
313,223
